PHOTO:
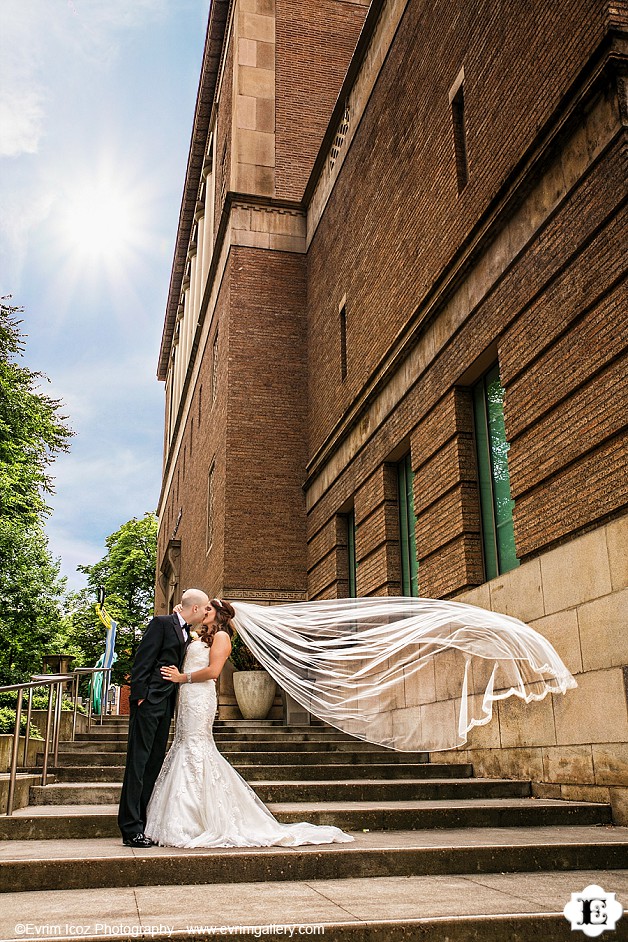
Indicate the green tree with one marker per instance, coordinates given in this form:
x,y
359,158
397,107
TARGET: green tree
x,y
31,597
32,432
127,573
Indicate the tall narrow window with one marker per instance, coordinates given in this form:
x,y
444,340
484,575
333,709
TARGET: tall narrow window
x,y
215,368
407,528
460,138
351,560
343,341
496,505
210,507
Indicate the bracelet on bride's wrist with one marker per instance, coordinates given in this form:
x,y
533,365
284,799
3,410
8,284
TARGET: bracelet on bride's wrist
x,y
189,677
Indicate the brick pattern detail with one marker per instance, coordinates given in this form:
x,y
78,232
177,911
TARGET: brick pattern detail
x,y
207,442
446,498
377,534
265,445
559,318
328,578
314,44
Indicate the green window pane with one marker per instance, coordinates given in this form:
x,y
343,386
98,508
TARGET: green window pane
x,y
407,529
351,554
503,504
496,505
485,482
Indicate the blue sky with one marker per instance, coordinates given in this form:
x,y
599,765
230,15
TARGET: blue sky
x,y
96,106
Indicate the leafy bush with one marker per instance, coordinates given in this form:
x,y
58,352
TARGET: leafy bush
x,y
7,723
241,657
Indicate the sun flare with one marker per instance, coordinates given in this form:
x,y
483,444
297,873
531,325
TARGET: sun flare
x,y
99,224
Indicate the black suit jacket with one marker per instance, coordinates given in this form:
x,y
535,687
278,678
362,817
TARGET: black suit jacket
x,y
162,644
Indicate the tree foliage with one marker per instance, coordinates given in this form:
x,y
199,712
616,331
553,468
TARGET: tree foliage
x,y
127,573
32,433
31,594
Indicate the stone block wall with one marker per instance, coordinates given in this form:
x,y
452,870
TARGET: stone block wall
x,y
573,746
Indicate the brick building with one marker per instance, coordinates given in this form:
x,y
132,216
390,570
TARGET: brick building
x,y
394,345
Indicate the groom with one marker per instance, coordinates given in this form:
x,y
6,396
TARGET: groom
x,y
152,703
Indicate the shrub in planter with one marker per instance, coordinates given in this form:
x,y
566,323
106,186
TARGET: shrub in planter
x,y
241,657
7,723
40,701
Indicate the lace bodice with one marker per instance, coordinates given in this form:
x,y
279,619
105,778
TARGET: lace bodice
x,y
196,656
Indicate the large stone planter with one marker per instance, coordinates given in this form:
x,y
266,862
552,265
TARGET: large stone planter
x,y
6,747
38,719
255,693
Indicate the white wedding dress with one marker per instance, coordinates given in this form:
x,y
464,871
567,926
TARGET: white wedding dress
x,y
200,800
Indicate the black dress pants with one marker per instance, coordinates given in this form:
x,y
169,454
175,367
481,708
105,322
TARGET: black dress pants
x,y
149,727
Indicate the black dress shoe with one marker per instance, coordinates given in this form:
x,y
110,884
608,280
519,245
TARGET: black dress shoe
x,y
138,840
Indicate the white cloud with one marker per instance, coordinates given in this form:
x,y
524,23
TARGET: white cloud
x,y
21,120
93,389
96,492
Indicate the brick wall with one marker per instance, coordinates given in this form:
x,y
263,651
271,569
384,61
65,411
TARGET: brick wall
x,y
204,439
550,307
395,220
314,43
265,512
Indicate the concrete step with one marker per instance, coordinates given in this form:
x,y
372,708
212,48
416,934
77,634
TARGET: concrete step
x,y
466,908
48,822
80,864
280,773
71,793
121,735
263,746
316,746
258,757
283,735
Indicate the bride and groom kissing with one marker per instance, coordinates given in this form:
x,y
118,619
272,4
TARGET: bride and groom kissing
x,y
190,796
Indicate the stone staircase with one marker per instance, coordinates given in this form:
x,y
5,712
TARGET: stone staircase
x,y
438,853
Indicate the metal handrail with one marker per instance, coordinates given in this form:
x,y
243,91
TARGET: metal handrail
x,y
54,682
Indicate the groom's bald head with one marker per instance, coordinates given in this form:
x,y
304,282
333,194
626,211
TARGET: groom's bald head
x,y
193,604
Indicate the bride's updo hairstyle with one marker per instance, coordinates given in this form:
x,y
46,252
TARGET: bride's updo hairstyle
x,y
222,622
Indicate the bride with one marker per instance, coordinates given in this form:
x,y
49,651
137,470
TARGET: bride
x,y
199,799
411,674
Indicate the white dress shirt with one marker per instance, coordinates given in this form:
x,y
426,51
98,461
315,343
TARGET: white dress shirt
x,y
183,624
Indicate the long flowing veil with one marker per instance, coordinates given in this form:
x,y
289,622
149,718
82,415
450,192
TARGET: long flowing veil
x,y
408,673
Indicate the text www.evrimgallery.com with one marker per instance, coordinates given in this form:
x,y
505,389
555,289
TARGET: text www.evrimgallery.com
x,y
25,930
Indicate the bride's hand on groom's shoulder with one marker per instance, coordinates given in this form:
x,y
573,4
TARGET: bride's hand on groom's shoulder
x,y
178,609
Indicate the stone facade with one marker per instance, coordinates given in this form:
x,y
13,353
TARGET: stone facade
x,y
574,746
344,275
